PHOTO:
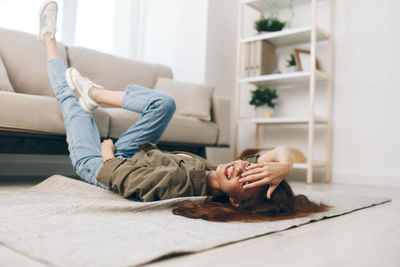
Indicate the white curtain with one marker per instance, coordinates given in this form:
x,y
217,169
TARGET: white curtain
x,y
95,25
23,15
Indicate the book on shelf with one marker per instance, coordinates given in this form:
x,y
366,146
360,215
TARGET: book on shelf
x,y
259,58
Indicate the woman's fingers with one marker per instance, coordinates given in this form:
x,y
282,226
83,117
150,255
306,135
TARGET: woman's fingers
x,y
254,177
255,184
108,142
252,171
254,165
271,189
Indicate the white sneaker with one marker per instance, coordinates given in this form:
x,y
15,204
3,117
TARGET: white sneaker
x,y
48,19
76,81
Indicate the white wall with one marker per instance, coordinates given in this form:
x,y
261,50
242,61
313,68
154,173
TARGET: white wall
x,y
366,134
366,129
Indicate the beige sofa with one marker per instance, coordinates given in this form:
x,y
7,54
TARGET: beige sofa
x,y
30,118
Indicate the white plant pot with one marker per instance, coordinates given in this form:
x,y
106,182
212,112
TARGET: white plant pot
x,y
293,69
264,112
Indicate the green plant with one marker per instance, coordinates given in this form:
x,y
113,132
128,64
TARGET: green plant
x,y
291,61
270,24
262,96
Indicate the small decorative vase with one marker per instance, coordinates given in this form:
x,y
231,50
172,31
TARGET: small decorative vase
x,y
264,112
293,68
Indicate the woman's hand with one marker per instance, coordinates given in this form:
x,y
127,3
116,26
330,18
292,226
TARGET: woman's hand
x,y
107,150
107,144
259,174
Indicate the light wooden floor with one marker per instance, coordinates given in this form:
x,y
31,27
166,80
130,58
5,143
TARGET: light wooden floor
x,y
369,237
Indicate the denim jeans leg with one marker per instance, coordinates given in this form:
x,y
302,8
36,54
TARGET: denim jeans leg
x,y
157,110
82,134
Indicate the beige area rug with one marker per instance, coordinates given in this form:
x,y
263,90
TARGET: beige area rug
x,y
65,222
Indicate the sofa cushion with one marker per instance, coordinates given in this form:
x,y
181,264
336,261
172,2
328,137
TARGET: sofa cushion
x,y
5,84
181,129
191,99
23,112
113,72
25,60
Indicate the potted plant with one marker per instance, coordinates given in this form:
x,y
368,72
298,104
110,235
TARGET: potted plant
x,y
264,100
270,24
292,67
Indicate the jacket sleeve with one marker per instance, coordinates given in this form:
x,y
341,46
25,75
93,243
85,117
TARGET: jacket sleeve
x,y
148,183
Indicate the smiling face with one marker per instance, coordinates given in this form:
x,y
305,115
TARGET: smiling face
x,y
227,177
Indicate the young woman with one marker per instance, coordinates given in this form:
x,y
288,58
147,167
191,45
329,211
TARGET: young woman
x,y
136,169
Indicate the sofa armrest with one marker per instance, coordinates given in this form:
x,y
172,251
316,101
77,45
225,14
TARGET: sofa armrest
x,y
221,111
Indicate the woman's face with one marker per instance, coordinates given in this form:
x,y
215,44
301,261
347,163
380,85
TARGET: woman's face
x,y
228,176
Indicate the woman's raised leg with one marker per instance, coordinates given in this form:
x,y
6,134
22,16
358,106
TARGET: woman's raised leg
x,y
104,96
156,108
82,134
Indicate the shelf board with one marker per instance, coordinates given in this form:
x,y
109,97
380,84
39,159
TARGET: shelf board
x,y
262,5
285,120
303,166
284,78
288,37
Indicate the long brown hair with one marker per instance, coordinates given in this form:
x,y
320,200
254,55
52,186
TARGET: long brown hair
x,y
282,205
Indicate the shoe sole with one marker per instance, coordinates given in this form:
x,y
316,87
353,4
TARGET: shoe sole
x,y
82,102
42,7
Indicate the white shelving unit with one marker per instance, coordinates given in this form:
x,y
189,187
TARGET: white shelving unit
x,y
262,6
288,37
286,120
285,78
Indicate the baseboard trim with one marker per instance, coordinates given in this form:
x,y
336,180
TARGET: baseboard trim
x,y
366,179
18,165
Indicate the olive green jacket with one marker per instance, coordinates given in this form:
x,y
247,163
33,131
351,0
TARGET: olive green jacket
x,y
152,174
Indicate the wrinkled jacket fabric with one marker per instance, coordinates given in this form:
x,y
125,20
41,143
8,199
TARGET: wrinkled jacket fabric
x,y
152,174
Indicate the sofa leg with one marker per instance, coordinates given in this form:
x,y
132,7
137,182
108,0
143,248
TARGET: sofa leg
x,y
20,144
202,152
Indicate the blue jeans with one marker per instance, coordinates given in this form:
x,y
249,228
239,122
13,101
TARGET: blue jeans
x,y
83,137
